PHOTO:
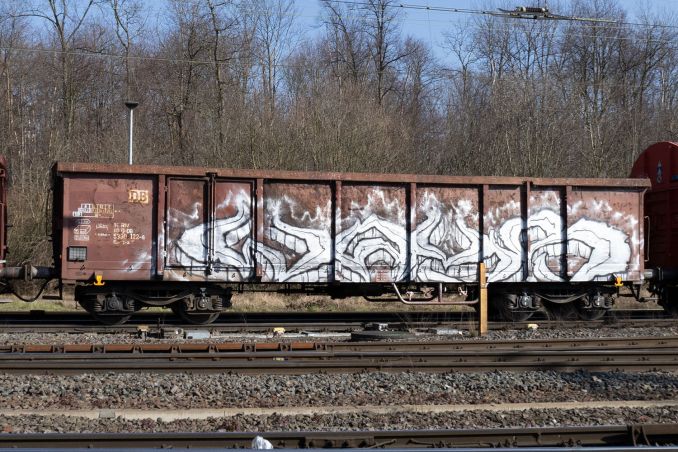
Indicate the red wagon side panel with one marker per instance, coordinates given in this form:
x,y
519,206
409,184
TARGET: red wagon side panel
x,y
108,227
547,235
659,163
503,234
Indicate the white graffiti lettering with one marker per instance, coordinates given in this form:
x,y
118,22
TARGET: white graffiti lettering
x,y
373,246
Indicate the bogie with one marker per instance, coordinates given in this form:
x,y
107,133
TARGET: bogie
x,y
200,308
115,304
512,307
593,306
109,308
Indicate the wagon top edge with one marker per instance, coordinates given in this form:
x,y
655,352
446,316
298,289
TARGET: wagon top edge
x,y
301,176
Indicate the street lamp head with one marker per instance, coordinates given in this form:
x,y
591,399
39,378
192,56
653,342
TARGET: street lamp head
x,y
131,104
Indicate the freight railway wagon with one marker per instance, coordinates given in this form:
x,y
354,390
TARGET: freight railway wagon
x,y
187,238
659,163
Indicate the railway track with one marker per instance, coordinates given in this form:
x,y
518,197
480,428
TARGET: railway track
x,y
630,354
635,436
234,322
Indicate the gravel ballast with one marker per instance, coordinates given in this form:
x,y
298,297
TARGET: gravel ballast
x,y
351,422
224,390
151,391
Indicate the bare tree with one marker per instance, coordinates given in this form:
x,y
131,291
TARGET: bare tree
x,y
221,25
346,41
384,47
275,39
128,24
12,35
185,51
66,18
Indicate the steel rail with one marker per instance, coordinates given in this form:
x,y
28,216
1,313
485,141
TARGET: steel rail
x,y
401,449
597,436
649,342
232,322
309,357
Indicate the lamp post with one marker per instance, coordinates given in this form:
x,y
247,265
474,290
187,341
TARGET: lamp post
x,y
131,105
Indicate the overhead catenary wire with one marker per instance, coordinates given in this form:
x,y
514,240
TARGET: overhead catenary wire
x,y
510,23
512,15
510,20
614,24
506,25
554,33
548,31
591,22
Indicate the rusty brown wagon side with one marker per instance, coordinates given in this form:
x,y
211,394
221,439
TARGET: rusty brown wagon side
x,y
659,164
185,237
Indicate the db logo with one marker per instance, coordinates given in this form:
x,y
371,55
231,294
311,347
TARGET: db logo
x,y
138,196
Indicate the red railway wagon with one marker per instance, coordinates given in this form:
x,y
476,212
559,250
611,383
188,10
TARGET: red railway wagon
x,y
186,238
659,163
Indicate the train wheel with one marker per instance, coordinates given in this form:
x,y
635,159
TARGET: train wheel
x,y
94,308
179,309
501,308
561,311
591,313
110,319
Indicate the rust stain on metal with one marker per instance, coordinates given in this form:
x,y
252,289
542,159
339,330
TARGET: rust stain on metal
x,y
310,177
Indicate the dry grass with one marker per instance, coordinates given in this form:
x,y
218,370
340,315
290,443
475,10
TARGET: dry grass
x,y
250,302
7,304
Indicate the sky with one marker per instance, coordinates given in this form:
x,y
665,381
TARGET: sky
x,y
430,26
